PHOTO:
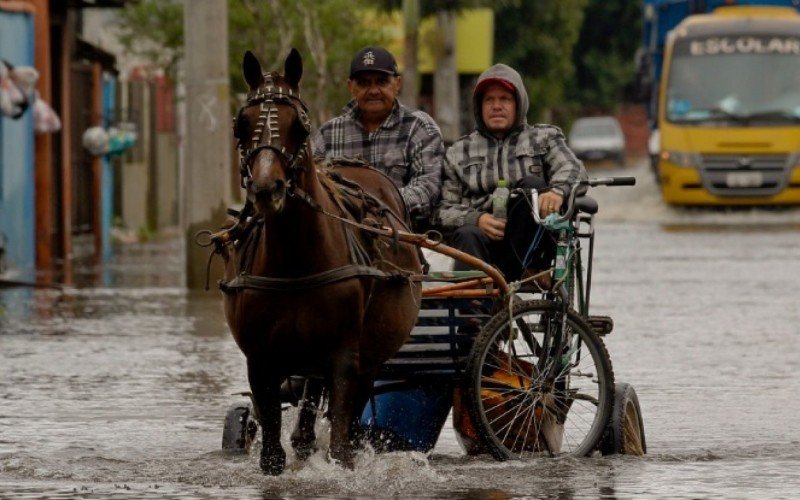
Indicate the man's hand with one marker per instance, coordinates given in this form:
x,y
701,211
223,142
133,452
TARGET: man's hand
x,y
492,227
549,202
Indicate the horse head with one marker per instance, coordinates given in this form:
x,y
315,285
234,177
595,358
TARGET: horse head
x,y
272,129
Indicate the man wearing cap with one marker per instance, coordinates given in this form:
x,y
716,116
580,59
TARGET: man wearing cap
x,y
505,146
404,144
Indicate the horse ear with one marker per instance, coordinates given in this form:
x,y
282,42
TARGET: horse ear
x,y
293,68
251,69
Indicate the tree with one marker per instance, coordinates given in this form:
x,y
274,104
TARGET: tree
x,y
446,96
410,90
604,54
326,32
536,37
153,31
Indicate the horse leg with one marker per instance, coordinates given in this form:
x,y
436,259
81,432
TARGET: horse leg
x,y
266,393
364,389
303,436
341,407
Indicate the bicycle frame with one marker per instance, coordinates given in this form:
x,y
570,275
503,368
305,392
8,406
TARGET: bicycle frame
x,y
568,270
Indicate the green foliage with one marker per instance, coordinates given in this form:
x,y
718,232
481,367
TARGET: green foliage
x,y
546,40
145,233
431,7
604,54
536,38
153,31
326,32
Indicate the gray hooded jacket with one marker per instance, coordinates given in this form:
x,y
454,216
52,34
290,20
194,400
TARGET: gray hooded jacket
x,y
475,162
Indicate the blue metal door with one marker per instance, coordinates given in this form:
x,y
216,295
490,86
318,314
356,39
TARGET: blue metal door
x,y
17,221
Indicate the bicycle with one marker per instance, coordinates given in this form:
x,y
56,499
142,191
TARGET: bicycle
x,y
539,380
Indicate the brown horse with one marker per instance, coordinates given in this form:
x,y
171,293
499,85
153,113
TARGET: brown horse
x,y
305,292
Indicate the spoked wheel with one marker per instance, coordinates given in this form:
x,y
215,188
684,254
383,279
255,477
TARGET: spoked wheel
x,y
625,431
527,400
240,428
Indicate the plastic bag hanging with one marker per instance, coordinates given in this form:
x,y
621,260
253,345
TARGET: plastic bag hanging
x,y
45,119
11,97
96,140
17,87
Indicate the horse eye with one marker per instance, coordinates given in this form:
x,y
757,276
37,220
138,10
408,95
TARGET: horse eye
x,y
299,130
240,125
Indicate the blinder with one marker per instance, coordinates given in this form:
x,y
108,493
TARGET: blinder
x,y
268,97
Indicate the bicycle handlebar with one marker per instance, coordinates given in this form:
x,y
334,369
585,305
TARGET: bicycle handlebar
x,y
554,219
612,181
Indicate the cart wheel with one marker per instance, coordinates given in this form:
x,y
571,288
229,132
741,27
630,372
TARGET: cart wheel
x,y
240,428
625,431
517,410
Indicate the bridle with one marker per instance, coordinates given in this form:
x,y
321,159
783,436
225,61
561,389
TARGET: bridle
x,y
268,97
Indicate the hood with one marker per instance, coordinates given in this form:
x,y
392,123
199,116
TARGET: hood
x,y
510,75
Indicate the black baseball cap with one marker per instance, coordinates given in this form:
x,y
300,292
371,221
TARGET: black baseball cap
x,y
373,59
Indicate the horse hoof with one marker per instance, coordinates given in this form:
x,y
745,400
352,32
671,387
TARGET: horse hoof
x,y
303,451
345,460
273,465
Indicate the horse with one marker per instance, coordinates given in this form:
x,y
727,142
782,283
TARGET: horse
x,y
308,288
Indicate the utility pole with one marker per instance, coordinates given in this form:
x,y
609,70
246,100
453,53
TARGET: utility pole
x,y
446,93
205,178
410,91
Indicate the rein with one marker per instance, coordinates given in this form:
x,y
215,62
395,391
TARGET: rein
x,y
263,283
378,231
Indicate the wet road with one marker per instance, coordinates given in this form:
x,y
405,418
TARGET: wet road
x,y
118,390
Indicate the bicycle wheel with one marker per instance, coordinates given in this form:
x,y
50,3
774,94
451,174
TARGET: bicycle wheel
x,y
520,411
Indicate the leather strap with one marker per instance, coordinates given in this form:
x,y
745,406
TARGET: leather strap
x,y
262,283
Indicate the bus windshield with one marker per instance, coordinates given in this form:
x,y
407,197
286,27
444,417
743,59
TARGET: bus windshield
x,y
734,82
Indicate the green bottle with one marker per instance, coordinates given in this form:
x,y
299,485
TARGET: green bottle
x,y
500,200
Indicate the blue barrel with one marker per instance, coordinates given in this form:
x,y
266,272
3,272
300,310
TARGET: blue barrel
x,y
407,419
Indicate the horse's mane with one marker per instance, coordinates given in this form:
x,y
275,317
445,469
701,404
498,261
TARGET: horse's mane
x,y
328,168
328,183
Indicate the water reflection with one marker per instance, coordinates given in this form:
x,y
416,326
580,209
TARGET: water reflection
x,y
739,228
117,386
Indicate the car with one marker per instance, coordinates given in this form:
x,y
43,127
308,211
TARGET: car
x,y
598,138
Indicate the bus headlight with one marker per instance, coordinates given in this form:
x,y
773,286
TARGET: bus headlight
x,y
681,158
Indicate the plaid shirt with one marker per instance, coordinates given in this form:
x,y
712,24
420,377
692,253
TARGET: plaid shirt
x,y
475,162
407,147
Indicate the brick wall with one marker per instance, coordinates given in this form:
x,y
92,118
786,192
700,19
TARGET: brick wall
x,y
633,119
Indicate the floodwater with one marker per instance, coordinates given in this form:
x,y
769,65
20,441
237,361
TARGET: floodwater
x,y
118,390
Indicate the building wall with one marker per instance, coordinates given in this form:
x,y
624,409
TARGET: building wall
x,y
166,144
166,153
99,29
135,172
16,152
633,119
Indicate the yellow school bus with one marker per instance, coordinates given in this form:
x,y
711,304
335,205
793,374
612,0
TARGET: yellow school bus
x,y
729,108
